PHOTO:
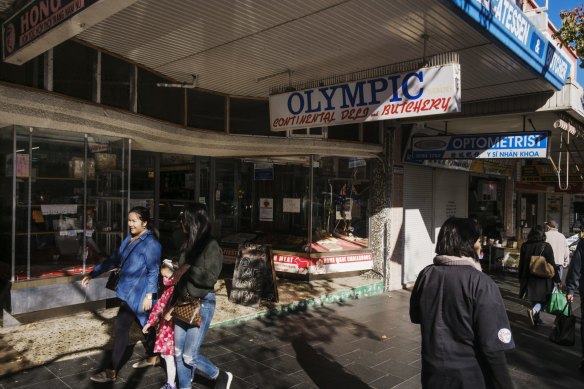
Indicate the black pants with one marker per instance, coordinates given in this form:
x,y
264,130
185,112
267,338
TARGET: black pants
x,y
122,327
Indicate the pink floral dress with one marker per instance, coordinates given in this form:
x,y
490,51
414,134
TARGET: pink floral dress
x,y
165,333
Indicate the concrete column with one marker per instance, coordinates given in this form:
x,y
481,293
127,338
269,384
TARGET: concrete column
x,y
379,236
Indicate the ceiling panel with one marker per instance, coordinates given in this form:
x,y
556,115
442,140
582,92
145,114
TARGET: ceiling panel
x,y
229,45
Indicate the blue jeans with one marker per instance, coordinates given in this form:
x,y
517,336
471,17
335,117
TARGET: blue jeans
x,y
187,344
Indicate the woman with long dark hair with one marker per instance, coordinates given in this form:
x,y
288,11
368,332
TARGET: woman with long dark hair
x,y
139,258
200,263
535,288
464,325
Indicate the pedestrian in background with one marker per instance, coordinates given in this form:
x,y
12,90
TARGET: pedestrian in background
x,y
575,282
200,264
559,246
535,288
139,258
464,325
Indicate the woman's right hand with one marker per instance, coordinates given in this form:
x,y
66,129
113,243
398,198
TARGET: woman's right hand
x,y
85,281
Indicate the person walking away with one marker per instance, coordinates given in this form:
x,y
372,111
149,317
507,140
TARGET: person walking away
x,y
575,282
559,245
464,325
165,333
535,288
139,258
200,264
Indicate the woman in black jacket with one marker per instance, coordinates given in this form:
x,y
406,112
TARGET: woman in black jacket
x,y
535,288
200,263
464,325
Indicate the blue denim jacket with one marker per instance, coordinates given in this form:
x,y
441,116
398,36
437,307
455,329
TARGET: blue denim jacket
x,y
139,274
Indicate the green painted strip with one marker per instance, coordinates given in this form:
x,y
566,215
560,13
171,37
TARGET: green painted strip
x,y
340,296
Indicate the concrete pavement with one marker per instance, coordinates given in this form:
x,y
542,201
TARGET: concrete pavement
x,y
363,343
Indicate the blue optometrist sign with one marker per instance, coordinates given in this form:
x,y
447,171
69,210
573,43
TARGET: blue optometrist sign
x,y
481,146
509,25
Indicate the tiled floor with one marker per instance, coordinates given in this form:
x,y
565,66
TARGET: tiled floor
x,y
366,343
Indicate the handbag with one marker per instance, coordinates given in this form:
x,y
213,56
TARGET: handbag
x,y
187,309
564,329
557,304
539,267
114,276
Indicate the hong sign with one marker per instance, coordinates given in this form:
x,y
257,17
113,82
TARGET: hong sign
x,y
481,146
423,92
43,24
507,23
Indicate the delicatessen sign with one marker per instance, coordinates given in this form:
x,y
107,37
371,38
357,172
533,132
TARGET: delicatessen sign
x,y
490,146
427,91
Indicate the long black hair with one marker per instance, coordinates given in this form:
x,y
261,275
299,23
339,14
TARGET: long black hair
x,y
537,234
457,237
144,215
195,221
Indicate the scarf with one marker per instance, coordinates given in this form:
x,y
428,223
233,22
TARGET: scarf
x,y
447,260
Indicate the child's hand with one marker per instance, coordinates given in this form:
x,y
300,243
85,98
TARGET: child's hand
x,y
168,315
146,328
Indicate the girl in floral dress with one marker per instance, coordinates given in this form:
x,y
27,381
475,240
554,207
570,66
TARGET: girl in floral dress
x,y
165,334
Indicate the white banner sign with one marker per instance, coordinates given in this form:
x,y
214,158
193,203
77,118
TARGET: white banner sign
x,y
428,91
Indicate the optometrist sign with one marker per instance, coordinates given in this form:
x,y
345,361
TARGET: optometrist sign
x,y
427,91
509,25
482,146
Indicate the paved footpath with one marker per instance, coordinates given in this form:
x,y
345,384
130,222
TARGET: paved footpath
x,y
365,343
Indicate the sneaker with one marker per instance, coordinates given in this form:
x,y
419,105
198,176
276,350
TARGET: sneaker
x,y
531,317
168,386
104,376
223,380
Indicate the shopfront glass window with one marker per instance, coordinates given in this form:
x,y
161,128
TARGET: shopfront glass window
x,y
30,74
6,177
177,189
115,82
70,201
348,132
74,70
251,117
486,204
340,219
225,197
159,102
206,110
371,133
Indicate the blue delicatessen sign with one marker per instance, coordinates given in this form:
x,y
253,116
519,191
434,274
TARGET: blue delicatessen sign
x,y
481,146
505,21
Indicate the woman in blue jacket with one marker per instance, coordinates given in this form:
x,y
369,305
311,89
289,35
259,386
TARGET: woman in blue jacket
x,y
139,258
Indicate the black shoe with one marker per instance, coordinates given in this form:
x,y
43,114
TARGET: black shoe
x,y
582,365
223,380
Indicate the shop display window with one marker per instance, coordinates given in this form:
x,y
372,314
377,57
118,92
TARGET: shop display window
x,y
116,76
70,204
206,110
340,219
74,70
270,203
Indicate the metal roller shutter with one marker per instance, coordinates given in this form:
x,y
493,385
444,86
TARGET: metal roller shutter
x,y
418,220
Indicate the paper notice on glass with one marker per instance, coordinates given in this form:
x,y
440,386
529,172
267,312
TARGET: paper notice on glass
x,y
266,210
291,205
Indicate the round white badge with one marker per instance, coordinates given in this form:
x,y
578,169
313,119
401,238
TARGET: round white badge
x,y
504,335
